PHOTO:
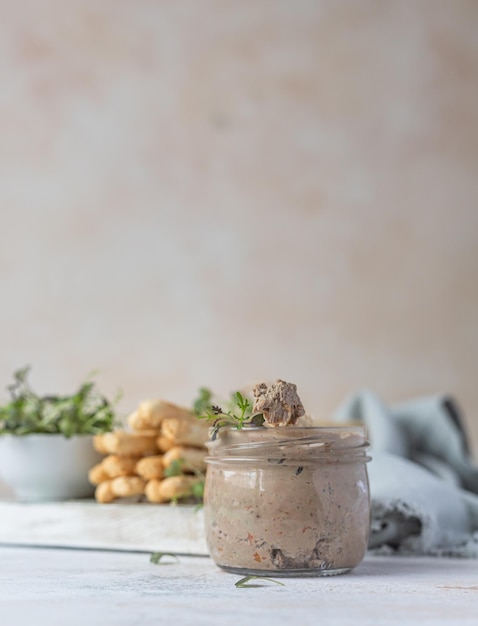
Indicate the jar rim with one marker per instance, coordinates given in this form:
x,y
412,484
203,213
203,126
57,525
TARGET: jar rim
x,y
276,429
313,440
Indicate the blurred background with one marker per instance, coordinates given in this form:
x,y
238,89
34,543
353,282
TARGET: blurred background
x,y
202,192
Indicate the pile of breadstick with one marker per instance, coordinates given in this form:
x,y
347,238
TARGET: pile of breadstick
x,y
162,437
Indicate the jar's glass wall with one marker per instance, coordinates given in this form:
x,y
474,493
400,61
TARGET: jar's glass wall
x,y
297,515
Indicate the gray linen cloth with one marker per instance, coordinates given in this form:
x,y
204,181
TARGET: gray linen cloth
x,y
423,482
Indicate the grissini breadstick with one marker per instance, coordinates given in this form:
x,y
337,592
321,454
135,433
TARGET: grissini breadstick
x,y
150,467
151,413
150,432
104,493
97,474
99,443
192,459
152,491
115,465
177,486
164,444
171,488
125,486
187,431
125,444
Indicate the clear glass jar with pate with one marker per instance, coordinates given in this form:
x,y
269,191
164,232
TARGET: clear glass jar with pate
x,y
288,501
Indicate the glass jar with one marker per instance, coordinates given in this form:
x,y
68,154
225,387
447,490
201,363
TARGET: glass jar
x,y
290,501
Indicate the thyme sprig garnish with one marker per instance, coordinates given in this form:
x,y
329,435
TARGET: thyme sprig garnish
x,y
175,468
237,417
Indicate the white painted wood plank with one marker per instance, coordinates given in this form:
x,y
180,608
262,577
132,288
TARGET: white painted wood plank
x,y
87,524
41,587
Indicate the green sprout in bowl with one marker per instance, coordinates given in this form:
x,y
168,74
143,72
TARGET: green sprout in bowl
x,y
86,411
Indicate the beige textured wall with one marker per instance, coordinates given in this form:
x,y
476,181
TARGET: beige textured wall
x,y
216,192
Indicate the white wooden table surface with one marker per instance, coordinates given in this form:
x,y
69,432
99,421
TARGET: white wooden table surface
x,y
80,587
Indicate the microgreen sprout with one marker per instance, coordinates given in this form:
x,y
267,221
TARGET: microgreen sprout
x,y
84,412
158,558
245,582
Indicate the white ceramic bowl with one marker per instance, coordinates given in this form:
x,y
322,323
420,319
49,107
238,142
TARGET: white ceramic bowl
x,y
47,467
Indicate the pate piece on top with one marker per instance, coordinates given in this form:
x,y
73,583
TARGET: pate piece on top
x,y
278,402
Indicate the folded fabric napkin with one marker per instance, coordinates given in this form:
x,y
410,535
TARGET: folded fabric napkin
x,y
423,482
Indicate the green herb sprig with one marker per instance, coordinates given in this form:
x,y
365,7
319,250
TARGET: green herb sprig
x,y
237,417
203,402
84,412
176,468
